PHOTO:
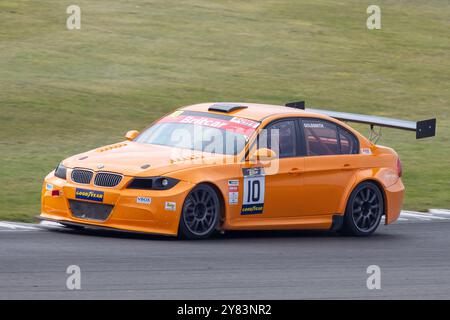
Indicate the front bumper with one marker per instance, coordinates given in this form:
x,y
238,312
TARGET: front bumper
x,y
160,216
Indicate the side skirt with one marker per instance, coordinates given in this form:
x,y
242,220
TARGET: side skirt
x,y
338,222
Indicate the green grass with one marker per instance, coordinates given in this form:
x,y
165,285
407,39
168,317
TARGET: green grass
x,y
64,92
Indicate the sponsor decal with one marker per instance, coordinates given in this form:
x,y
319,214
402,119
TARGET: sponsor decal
x,y
48,186
250,172
254,189
233,191
236,125
245,122
144,200
91,195
252,209
170,206
203,121
233,198
233,184
175,114
313,125
366,151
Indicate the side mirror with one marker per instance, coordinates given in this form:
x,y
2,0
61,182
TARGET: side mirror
x,y
263,154
131,134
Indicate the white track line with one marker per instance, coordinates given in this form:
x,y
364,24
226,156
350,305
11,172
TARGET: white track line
x,y
421,215
414,216
14,226
50,224
442,212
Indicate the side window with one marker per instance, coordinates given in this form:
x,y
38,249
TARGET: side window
x,y
349,143
281,137
321,137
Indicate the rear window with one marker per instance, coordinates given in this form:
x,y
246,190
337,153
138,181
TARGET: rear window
x,y
326,138
349,143
321,138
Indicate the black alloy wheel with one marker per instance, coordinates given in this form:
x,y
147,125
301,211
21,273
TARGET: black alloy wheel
x,y
200,214
365,208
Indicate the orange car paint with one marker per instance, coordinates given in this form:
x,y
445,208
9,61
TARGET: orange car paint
x,y
305,194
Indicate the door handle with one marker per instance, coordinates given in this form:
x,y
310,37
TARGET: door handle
x,y
294,171
347,166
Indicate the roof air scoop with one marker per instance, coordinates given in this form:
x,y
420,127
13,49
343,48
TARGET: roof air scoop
x,y
226,107
296,105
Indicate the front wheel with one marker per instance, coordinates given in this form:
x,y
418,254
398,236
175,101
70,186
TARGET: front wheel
x,y
200,213
364,210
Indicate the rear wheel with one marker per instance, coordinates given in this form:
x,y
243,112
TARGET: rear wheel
x,y
364,210
200,213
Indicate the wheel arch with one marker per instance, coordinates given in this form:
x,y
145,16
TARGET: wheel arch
x,y
381,188
373,180
220,196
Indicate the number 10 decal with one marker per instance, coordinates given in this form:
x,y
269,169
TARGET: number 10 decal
x,y
254,188
253,191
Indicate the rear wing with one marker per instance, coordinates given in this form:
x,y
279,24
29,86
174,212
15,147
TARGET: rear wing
x,y
423,129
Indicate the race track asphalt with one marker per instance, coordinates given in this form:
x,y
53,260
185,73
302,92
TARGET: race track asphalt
x,y
414,259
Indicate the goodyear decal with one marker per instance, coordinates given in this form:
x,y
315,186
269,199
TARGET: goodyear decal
x,y
91,195
252,209
254,189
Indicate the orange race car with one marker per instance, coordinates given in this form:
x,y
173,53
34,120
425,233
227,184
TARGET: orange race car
x,y
235,166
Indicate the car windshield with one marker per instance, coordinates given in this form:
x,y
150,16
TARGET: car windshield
x,y
200,131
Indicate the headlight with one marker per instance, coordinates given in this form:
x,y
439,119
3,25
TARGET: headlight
x,y
153,183
61,172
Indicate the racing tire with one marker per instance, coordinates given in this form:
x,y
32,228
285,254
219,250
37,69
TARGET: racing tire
x,y
364,210
200,213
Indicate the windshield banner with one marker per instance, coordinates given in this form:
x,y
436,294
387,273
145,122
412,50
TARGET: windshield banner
x,y
232,124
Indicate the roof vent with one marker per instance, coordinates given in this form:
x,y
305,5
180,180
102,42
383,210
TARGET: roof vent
x,y
296,105
226,107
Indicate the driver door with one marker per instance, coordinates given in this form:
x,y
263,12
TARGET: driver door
x,y
275,191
